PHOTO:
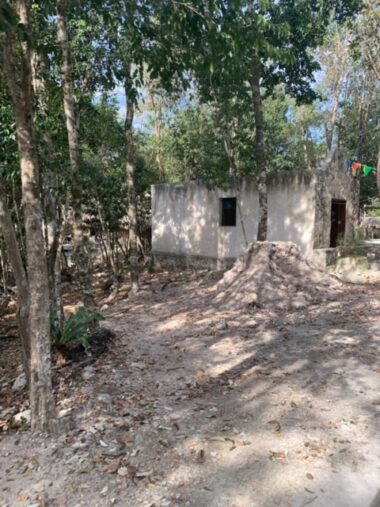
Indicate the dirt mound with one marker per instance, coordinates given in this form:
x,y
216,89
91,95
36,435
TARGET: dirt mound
x,y
275,275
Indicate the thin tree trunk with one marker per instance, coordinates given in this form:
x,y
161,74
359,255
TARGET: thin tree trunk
x,y
80,254
111,260
14,255
378,172
262,229
20,87
51,202
57,285
19,227
122,249
4,265
103,249
105,240
132,216
157,108
335,106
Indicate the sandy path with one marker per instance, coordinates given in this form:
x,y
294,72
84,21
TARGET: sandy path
x,y
196,406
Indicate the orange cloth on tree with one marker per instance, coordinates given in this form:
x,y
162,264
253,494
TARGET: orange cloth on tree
x,y
356,166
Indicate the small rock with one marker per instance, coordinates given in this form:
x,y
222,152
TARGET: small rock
x,y
88,372
41,486
22,417
123,471
104,398
60,500
19,383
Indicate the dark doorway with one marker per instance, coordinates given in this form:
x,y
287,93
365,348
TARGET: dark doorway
x,y
338,221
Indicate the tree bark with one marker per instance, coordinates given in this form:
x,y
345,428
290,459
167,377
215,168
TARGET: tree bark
x,y
362,124
132,215
378,172
50,200
157,108
258,110
14,255
16,211
80,254
3,265
20,87
330,128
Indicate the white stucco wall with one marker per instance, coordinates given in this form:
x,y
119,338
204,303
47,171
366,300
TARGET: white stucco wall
x,y
291,209
186,217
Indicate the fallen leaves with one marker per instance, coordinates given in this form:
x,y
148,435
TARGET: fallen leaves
x,y
4,426
276,426
277,455
112,468
200,456
227,439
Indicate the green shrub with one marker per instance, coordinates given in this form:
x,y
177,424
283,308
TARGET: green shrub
x,y
373,208
76,330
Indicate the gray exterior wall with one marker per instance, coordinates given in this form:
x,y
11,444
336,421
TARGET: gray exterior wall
x,y
335,183
186,217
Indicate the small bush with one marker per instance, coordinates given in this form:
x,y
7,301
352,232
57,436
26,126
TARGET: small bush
x,y
76,330
373,208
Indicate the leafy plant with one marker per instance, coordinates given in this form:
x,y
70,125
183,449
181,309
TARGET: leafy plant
x,y
373,208
76,330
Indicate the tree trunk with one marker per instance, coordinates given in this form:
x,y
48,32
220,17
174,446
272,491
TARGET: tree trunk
x,y
132,216
4,265
157,108
262,230
20,87
16,211
330,128
378,172
50,200
80,254
14,255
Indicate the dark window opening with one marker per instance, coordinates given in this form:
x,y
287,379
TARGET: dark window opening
x,y
338,221
228,211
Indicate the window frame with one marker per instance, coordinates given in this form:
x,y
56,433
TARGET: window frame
x,y
222,210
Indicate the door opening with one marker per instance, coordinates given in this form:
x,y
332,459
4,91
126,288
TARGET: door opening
x,y
338,221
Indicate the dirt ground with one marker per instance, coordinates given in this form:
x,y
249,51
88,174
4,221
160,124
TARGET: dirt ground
x,y
199,405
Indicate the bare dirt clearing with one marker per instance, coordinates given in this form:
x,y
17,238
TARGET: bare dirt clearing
x,y
205,406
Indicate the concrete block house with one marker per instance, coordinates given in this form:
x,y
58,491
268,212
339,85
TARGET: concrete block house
x,y
195,225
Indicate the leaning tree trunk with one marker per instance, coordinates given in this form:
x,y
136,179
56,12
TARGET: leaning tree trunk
x,y
132,215
9,235
260,147
20,87
80,254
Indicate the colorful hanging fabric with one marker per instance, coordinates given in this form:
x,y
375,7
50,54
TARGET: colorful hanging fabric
x,y
348,164
367,169
356,166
